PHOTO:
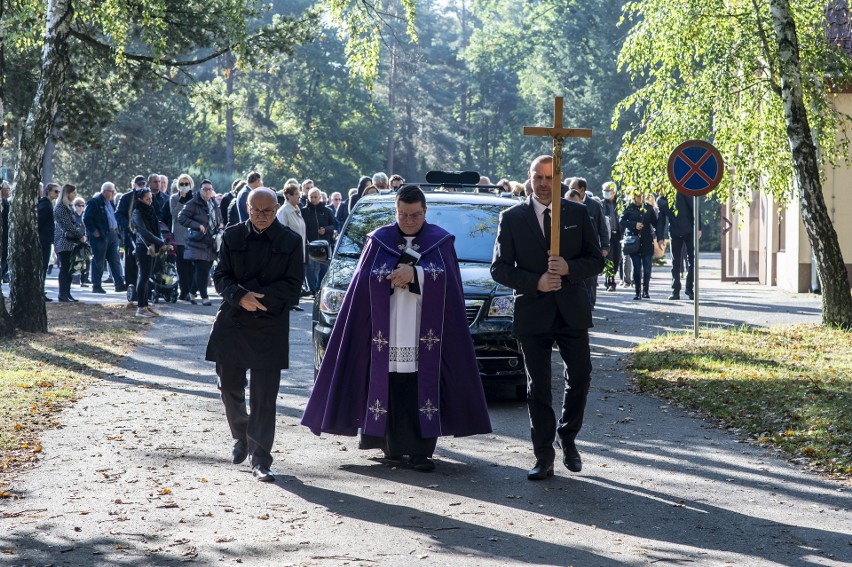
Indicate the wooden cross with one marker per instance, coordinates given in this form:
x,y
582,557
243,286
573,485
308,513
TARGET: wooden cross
x,y
558,134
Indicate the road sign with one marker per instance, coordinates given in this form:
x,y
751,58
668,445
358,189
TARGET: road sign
x,y
695,167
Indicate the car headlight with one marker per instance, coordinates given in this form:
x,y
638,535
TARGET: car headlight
x,y
330,300
503,306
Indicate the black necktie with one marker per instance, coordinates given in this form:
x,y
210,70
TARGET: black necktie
x,y
547,227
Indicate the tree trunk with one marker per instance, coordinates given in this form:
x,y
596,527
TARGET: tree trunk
x,y
836,299
27,291
390,166
229,115
7,324
47,161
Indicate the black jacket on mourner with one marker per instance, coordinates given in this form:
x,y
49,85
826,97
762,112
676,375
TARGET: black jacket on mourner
x,y
648,217
147,226
317,216
270,263
195,213
46,224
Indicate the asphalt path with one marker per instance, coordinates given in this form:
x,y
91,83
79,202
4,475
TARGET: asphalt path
x,y
139,473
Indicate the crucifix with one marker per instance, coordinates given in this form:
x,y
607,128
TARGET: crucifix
x,y
558,134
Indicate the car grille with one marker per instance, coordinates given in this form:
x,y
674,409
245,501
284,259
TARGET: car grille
x,y
472,309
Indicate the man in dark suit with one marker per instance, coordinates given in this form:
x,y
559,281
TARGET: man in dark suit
x,y
681,224
551,305
46,227
102,228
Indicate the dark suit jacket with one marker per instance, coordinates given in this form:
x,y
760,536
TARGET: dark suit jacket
x,y
46,226
95,216
520,258
680,221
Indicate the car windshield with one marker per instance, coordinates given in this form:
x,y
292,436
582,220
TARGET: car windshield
x,y
473,224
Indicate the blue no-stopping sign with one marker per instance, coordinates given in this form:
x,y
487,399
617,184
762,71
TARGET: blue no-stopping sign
x,y
695,167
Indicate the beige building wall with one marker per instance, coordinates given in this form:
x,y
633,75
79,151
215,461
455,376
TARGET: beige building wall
x,y
770,243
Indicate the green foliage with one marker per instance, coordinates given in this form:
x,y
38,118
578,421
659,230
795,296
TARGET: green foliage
x,y
708,70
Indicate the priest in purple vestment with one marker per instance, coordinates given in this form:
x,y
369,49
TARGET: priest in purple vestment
x,y
400,368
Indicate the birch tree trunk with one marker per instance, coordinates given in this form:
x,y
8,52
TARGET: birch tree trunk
x,y
836,299
26,290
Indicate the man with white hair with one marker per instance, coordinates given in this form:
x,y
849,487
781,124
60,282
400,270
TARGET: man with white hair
x,y
380,180
334,205
259,276
102,229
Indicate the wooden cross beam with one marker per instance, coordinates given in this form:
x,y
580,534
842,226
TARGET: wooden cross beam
x,y
558,134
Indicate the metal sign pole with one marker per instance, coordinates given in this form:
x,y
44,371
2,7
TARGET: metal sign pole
x,y
695,217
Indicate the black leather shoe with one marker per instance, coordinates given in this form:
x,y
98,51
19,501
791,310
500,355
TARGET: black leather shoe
x,y
46,298
571,456
540,471
645,295
421,463
690,295
63,299
637,297
674,297
262,473
239,452
296,308
120,288
98,290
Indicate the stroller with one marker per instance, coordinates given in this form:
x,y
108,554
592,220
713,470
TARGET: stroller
x,y
164,275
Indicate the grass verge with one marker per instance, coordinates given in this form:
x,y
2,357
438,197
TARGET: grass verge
x,y
42,373
787,387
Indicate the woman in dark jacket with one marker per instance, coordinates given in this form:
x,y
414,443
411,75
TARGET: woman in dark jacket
x,y
362,184
67,235
639,219
147,228
201,218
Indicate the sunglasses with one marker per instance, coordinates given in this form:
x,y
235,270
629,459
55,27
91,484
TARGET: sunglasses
x,y
183,185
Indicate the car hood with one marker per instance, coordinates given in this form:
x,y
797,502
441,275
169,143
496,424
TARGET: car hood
x,y
476,277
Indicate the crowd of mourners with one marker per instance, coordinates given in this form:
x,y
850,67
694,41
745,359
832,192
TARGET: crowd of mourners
x,y
154,223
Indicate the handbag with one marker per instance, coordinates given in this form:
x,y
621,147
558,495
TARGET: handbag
x,y
630,245
194,235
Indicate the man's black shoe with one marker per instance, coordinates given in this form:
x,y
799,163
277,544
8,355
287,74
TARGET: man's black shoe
x,y
421,463
120,288
296,308
262,473
239,452
690,295
674,297
98,290
46,298
541,471
571,456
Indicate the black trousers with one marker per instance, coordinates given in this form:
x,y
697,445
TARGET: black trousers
x,y
131,272
402,435
574,349
614,256
258,428
144,265
202,276
64,276
45,260
681,244
186,272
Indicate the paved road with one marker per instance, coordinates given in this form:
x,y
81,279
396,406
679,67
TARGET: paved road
x,y
139,473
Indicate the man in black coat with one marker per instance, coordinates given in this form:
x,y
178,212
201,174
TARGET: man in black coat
x,y
319,225
551,305
102,230
46,226
122,216
601,229
259,276
681,224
